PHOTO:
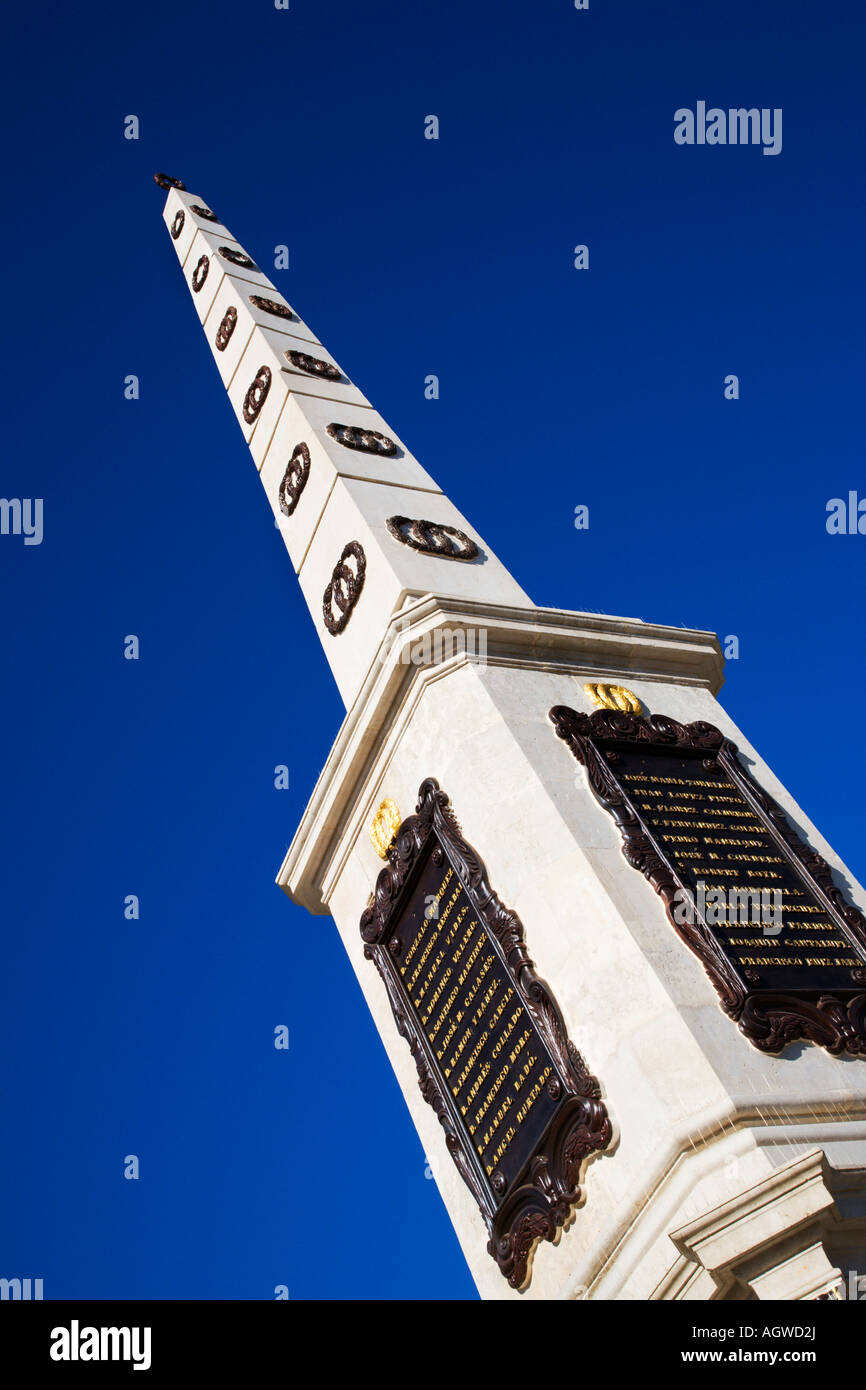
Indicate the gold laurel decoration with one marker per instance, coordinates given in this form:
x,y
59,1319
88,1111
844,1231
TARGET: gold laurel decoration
x,y
384,827
613,697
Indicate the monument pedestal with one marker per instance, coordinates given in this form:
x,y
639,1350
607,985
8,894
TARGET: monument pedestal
x,y
709,1135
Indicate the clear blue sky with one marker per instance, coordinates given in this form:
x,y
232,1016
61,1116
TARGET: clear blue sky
x,y
558,387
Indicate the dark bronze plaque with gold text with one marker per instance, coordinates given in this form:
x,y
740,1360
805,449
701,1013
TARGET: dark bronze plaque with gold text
x,y
783,947
520,1111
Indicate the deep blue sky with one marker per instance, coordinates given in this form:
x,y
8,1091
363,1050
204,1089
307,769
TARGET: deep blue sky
x,y
558,387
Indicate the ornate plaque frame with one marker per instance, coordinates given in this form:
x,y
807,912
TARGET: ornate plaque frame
x,y
540,1199
768,1018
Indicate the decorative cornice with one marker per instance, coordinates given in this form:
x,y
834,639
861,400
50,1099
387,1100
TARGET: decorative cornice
x,y
770,1236
689,1155
751,1219
545,639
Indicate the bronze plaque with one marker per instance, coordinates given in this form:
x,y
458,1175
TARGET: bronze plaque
x,y
520,1111
783,947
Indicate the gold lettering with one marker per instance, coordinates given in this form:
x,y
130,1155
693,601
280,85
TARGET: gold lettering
x,y
533,1095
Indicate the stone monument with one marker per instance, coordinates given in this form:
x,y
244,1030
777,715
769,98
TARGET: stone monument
x,y
620,976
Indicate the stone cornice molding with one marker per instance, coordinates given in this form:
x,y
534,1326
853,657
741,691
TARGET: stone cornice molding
x,y
428,628
770,1237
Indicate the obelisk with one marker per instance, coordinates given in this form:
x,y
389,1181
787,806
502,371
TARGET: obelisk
x,y
535,832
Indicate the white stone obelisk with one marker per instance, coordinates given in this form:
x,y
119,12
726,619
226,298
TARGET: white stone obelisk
x,y
731,1173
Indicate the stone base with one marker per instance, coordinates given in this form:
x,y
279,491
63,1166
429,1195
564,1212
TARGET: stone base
x,y
727,1173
